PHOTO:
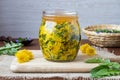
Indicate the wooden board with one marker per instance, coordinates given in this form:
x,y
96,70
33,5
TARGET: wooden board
x,y
39,64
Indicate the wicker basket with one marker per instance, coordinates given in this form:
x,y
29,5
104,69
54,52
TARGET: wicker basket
x,y
103,39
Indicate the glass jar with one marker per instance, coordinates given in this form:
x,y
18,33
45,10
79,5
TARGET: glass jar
x,y
59,35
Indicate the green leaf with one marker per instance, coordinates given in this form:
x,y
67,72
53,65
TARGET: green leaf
x,y
106,69
94,60
10,48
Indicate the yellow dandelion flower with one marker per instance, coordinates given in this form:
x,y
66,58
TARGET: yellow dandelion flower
x,y
63,57
84,47
24,56
29,53
56,47
90,51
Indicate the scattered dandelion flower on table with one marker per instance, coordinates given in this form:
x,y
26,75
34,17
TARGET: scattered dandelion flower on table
x,y
24,56
88,50
84,47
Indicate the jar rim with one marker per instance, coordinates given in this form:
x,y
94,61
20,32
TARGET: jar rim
x,y
59,13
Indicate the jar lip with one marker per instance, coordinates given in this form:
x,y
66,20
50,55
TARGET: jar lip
x,y
59,13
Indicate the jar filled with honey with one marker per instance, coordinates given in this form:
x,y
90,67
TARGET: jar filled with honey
x,y
59,35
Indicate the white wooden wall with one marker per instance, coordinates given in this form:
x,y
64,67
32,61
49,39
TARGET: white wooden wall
x,y
21,18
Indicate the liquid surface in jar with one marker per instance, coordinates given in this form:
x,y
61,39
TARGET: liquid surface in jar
x,y
60,18
59,37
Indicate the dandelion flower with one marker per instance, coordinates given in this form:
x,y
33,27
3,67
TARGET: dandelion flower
x,y
24,55
90,51
84,47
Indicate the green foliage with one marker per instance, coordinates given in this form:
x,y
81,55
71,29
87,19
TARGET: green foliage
x,y
20,40
107,31
94,60
106,69
10,48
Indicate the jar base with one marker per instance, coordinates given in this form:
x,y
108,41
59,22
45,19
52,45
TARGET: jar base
x,y
59,60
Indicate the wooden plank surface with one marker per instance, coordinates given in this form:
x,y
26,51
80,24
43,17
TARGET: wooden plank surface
x,y
39,64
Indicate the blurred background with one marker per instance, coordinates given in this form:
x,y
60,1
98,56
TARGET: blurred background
x,y
22,18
